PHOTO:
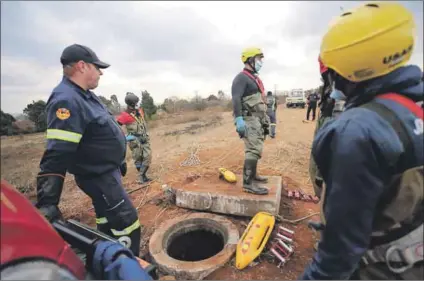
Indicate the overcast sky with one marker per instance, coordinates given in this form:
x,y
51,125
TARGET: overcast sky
x,y
167,48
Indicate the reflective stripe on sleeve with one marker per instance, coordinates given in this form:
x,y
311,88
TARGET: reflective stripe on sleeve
x,y
56,134
102,220
126,231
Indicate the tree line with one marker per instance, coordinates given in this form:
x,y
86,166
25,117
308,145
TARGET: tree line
x,y
35,118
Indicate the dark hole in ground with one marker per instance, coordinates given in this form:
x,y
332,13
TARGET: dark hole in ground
x,y
195,245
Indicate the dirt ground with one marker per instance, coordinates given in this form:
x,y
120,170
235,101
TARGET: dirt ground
x,y
216,144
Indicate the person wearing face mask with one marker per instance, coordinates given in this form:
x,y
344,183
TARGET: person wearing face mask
x,y
251,120
139,141
84,139
371,156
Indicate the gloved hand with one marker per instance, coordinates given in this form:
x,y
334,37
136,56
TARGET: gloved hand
x,y
112,261
123,168
49,189
240,126
130,137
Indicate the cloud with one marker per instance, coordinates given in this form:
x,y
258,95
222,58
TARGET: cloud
x,y
169,48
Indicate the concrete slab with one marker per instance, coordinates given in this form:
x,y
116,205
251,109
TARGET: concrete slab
x,y
218,196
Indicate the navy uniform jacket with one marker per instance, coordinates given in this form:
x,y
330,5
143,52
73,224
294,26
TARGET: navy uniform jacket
x,y
355,154
83,138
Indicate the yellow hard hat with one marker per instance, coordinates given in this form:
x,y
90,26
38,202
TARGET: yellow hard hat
x,y
250,52
369,41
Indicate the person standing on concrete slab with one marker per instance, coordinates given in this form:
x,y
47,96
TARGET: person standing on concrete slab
x,y
251,120
271,103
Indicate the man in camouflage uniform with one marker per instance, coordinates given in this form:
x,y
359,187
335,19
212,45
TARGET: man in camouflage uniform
x,y
252,122
271,103
137,136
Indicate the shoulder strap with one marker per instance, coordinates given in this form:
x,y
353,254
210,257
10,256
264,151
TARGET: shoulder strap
x,y
408,103
257,80
400,129
387,114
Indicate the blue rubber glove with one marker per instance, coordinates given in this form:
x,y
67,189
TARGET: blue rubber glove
x,y
112,261
240,126
130,138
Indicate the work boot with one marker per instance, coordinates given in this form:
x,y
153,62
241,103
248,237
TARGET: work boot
x,y
143,178
258,177
249,172
272,134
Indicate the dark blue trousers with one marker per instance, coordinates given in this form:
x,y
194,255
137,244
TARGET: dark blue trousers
x,y
115,213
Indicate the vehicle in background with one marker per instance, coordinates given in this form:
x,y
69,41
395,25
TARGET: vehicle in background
x,y
296,98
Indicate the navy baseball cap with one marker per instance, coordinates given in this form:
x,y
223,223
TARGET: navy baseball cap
x,y
76,52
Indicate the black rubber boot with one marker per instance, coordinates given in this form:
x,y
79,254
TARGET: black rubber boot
x,y
249,171
143,178
272,134
258,177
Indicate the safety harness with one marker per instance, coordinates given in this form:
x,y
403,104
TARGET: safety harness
x,y
258,82
402,243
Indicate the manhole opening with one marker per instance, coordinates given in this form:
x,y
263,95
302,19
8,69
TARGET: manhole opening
x,y
195,245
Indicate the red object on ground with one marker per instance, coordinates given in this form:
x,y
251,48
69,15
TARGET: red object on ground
x,y
297,194
27,236
282,247
300,195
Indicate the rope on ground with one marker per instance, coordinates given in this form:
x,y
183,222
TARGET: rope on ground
x,y
281,219
144,196
158,215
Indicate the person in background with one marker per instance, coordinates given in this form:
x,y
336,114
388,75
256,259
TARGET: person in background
x,y
138,137
312,105
271,111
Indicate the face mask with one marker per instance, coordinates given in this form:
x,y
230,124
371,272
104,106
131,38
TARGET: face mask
x,y
258,65
337,94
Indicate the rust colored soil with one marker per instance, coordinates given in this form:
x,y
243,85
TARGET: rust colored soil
x,y
218,146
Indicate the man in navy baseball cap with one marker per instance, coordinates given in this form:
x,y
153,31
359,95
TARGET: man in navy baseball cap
x,y
82,66
76,52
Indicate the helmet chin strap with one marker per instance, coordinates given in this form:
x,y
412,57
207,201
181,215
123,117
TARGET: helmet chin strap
x,y
251,63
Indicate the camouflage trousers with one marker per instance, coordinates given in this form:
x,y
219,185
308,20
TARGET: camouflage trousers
x,y
141,153
314,173
254,138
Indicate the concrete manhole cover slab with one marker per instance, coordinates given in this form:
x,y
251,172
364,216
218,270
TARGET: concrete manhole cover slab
x,y
193,246
225,198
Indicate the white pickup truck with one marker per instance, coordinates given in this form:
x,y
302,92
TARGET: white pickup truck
x,y
296,98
